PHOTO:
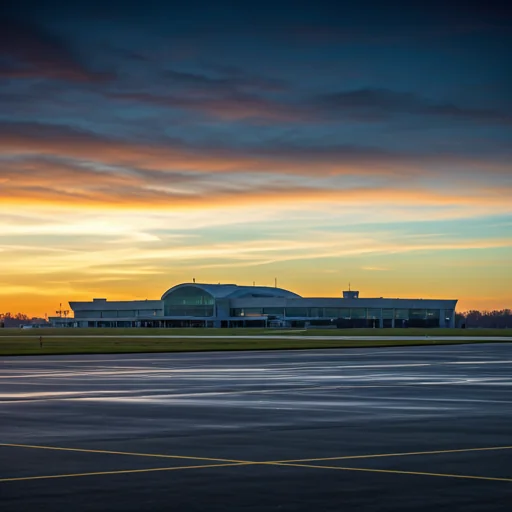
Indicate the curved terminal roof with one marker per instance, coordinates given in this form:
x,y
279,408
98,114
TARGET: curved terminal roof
x,y
231,291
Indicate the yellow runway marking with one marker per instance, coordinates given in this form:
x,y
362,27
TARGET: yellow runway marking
x,y
120,472
149,470
403,454
236,462
393,471
133,454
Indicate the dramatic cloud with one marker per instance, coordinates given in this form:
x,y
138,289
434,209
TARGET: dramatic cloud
x,y
144,144
217,99
25,139
28,51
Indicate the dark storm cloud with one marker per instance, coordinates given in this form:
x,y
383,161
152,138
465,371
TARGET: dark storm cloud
x,y
29,51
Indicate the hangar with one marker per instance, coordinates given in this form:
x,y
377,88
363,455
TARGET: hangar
x,y
230,305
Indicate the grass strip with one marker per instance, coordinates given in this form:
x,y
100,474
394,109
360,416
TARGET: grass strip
x,y
75,345
353,333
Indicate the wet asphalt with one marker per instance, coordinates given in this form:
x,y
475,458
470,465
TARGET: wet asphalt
x,y
214,409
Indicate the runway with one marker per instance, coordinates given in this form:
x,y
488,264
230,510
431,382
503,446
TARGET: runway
x,y
409,428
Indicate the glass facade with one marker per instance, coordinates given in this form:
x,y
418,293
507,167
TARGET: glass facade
x,y
401,314
125,313
247,312
89,314
273,311
117,313
419,317
417,314
189,301
337,312
294,312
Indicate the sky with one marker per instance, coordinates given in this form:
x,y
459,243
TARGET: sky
x,y
145,144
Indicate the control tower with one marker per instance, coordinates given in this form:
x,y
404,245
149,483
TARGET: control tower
x,y
350,294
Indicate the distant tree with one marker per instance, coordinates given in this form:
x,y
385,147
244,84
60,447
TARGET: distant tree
x,y
15,316
496,319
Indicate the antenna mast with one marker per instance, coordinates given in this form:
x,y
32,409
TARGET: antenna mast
x,y
61,311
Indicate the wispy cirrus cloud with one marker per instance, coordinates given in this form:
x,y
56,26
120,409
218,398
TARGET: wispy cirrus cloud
x,y
171,154
214,99
73,184
227,106
206,254
384,104
223,80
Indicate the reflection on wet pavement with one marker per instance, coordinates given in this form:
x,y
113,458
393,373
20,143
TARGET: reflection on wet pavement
x,y
257,388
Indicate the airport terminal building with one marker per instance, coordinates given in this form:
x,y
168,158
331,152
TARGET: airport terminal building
x,y
230,305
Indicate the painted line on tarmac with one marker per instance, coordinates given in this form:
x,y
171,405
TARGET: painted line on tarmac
x,y
133,454
120,472
402,454
231,462
398,472
270,462
248,463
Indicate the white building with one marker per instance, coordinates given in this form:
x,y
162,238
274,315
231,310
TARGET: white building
x,y
229,305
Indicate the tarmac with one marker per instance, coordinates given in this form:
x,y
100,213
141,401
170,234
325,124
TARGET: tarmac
x,y
389,429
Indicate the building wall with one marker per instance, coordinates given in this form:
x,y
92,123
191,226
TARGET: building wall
x,y
199,306
377,312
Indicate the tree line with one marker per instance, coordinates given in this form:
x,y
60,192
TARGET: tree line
x,y
14,316
16,319
496,319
